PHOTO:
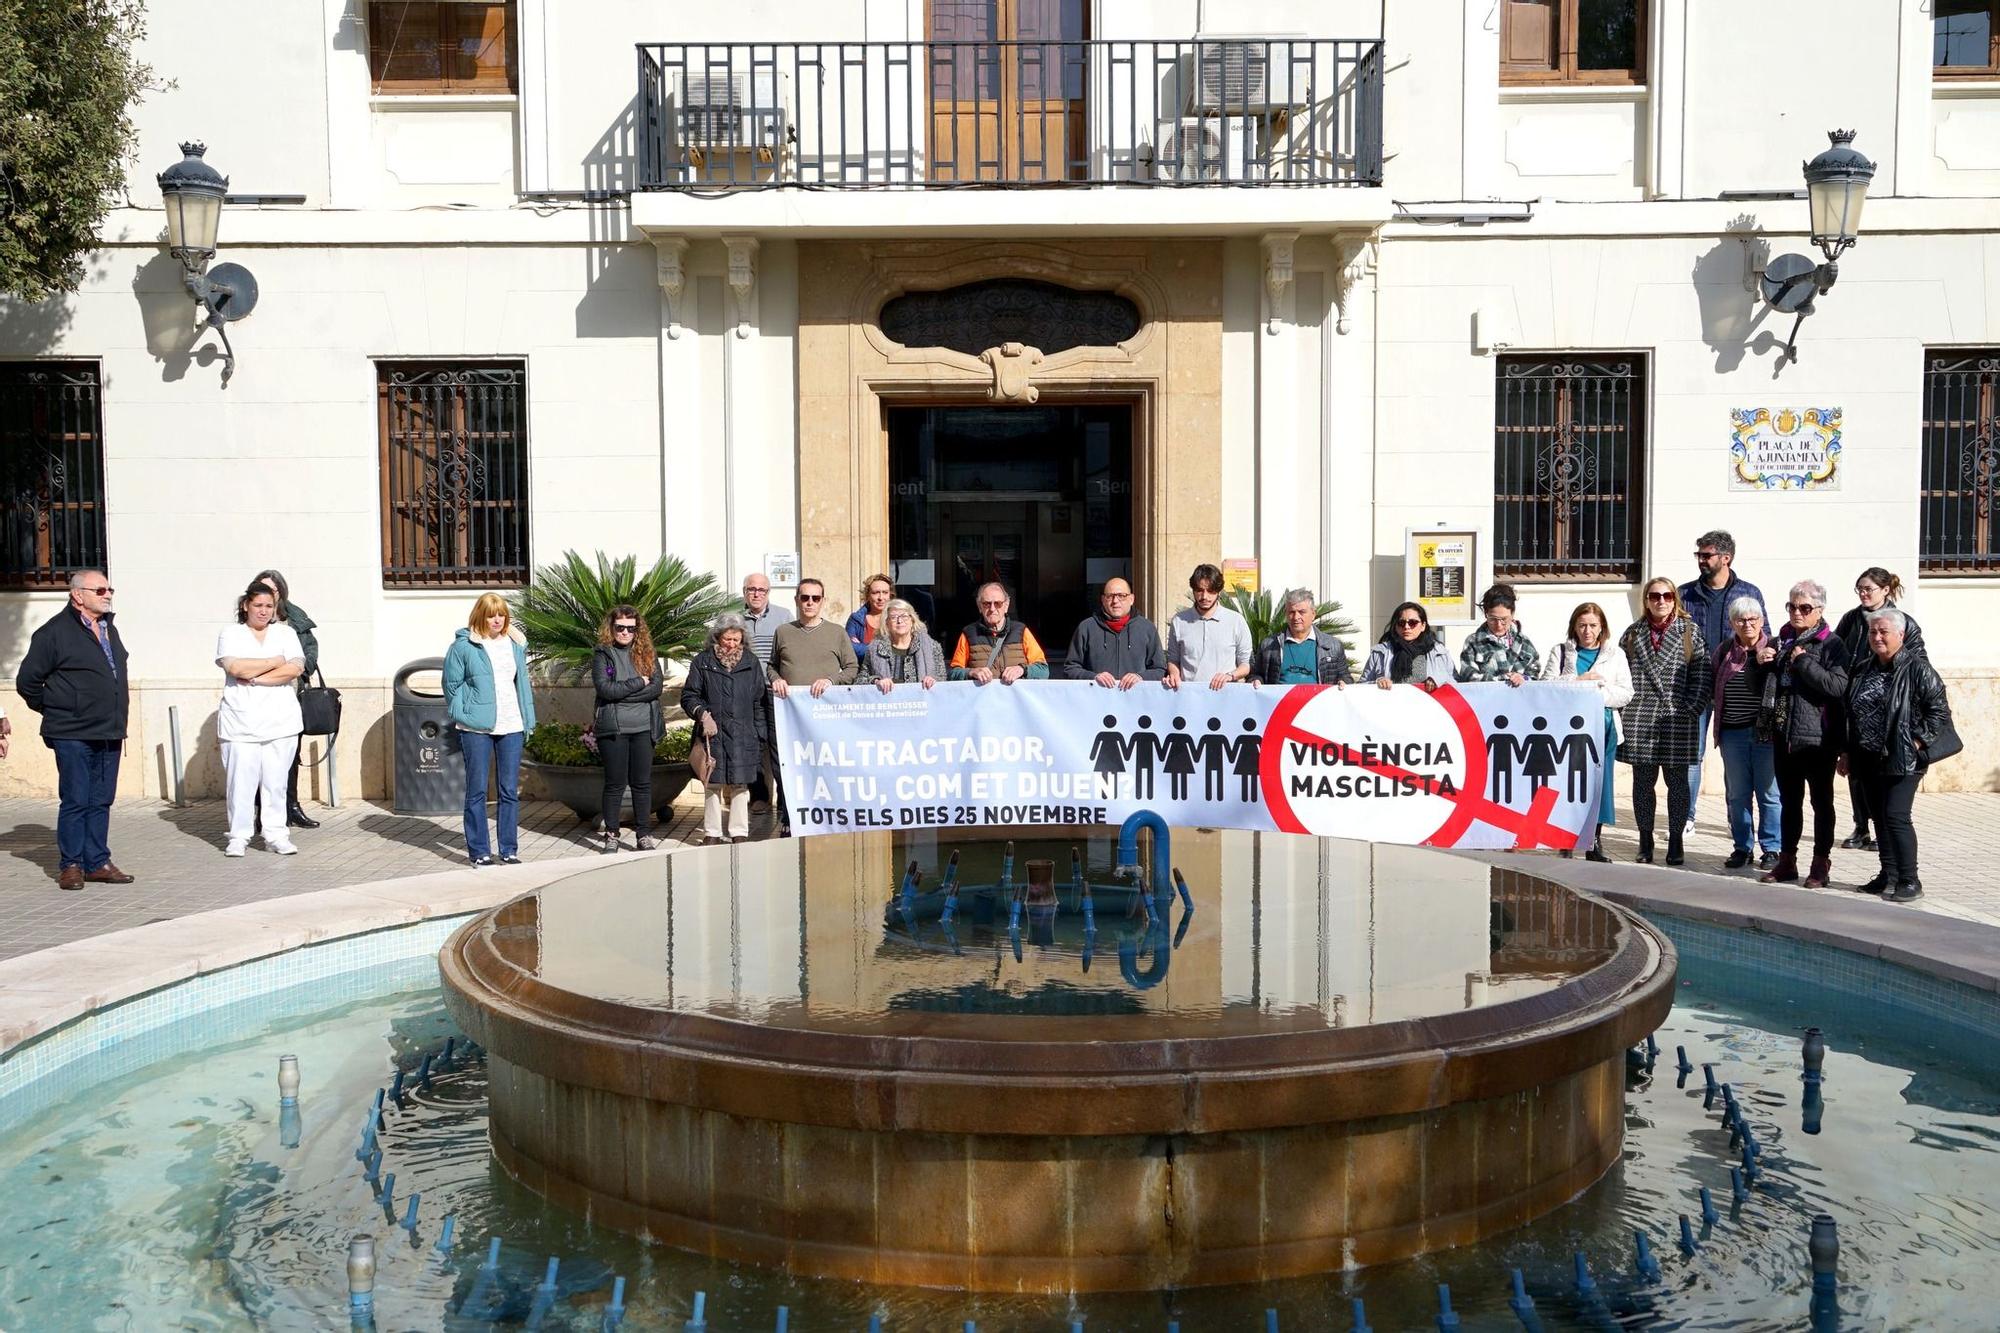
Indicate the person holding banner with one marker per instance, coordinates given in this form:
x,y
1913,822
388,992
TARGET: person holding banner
x,y
726,696
1300,653
810,651
1497,650
1671,683
1208,641
1587,657
904,653
1408,653
1117,647
995,646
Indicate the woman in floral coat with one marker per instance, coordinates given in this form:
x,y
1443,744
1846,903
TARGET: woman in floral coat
x,y
1671,678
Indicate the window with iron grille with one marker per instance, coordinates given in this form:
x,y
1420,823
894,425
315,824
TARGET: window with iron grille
x,y
1961,460
454,473
1569,441
51,472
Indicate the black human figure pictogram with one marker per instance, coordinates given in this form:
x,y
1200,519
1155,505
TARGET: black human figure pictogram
x,y
1579,752
1214,750
1501,751
1538,756
1177,754
1111,750
1248,752
1145,754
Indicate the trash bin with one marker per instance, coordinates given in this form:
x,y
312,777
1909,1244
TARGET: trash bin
x,y
430,766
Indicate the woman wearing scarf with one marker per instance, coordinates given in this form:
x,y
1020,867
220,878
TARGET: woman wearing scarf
x,y
1670,683
1408,653
1749,763
1805,679
727,695
1587,657
904,652
1876,589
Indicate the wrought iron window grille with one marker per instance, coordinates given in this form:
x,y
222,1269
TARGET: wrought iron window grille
x,y
1568,468
52,520
1961,462
454,462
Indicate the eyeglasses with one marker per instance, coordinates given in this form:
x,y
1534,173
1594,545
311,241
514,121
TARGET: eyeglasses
x,y
1659,597
807,596
1800,608
1117,596
1408,624
992,606
98,592
624,629
756,592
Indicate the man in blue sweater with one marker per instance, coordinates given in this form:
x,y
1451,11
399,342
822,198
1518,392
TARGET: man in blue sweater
x,y
1707,599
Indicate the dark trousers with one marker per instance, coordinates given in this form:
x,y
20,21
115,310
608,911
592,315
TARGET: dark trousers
x,y
1858,795
1644,798
1889,800
1800,771
628,762
86,783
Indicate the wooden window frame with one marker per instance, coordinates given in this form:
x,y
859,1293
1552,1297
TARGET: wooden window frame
x,y
1564,467
444,85
42,491
1968,433
1989,70
411,485
1565,72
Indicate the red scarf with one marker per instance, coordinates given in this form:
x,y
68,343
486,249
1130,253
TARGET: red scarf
x,y
1117,626
1658,629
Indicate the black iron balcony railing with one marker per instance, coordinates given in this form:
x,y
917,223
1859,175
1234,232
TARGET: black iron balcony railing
x,y
876,115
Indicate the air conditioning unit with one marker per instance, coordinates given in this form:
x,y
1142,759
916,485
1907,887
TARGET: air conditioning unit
x,y
719,112
1191,150
1240,75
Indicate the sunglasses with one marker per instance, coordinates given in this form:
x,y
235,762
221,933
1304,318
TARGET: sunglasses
x,y
624,629
1659,597
1408,624
807,596
1706,555
992,606
1800,608
98,592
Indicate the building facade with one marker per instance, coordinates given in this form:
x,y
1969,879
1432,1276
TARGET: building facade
x,y
1042,289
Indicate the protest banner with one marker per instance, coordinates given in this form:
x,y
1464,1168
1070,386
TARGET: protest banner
x,y
1464,766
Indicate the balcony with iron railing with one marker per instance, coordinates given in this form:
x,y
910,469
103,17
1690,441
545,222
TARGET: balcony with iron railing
x,y
1280,112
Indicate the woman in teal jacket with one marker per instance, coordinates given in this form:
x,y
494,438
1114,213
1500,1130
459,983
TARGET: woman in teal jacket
x,y
486,693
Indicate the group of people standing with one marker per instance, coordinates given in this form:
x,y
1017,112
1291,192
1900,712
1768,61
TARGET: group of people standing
x,y
1788,710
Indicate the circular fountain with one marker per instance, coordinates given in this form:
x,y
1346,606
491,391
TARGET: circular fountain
x,y
1017,1068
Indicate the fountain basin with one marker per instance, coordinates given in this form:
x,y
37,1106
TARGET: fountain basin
x,y
1355,1054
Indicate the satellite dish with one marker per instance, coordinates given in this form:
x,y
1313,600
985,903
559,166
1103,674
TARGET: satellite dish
x,y
1788,284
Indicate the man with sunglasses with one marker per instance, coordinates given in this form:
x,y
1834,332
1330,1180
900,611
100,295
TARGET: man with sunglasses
x,y
74,675
811,652
1706,599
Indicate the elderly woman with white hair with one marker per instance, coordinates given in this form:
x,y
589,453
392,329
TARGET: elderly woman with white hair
x,y
1805,677
1749,762
903,653
1898,723
729,697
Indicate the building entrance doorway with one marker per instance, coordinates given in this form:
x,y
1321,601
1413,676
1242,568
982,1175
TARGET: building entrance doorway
x,y
1039,498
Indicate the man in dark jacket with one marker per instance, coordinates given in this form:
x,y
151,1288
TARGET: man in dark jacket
x,y
1706,599
74,676
1116,647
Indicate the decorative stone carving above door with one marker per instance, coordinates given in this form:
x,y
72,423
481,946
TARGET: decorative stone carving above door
x,y
1012,365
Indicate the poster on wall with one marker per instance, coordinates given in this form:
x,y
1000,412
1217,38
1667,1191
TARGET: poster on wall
x,y
1481,765
1441,573
1784,449
1239,576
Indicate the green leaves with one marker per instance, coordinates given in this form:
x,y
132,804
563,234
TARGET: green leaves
x,y
563,744
560,609
1266,617
68,79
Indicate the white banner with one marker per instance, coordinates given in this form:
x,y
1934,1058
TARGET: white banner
x,y
1464,766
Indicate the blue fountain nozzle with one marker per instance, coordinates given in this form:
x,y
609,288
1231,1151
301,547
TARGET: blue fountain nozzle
x,y
396,1088
951,872
1750,1169
1687,1236
1709,1217
445,1059
388,1189
1270,1321
1521,1303
444,1234
1180,887
1007,867
1361,1317
699,1323
874,1323
1823,1245
1014,935
1586,1285
1681,1062
1738,1191
1643,1262
492,1254
784,1318
1447,1318
614,1313
409,1223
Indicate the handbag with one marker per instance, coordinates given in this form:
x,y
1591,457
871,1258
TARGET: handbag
x,y
700,758
1944,743
319,706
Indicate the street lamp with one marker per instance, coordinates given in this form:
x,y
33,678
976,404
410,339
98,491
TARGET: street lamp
x,y
1836,188
193,192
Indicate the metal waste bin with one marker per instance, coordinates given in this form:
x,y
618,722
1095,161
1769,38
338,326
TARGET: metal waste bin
x,y
430,766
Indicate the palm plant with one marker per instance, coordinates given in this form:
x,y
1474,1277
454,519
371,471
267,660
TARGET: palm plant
x,y
1265,616
563,605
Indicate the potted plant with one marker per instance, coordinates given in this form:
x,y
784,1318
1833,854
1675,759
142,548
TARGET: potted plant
x,y
1260,610
560,611
564,756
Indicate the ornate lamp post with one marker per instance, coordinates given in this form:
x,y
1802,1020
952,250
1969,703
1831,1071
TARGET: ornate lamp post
x,y
193,192
1836,188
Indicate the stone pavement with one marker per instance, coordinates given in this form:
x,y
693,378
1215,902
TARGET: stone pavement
x,y
176,855
176,858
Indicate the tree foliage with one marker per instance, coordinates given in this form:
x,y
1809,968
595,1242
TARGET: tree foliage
x,y
69,74
560,609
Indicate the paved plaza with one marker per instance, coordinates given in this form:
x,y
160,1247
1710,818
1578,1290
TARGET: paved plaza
x,y
176,855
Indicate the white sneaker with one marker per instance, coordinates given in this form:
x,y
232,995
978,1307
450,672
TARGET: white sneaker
x,y
235,847
281,848
1687,829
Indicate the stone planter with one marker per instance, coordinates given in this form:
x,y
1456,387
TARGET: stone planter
x,y
582,789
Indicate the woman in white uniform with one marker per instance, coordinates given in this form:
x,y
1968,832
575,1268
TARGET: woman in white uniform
x,y
258,723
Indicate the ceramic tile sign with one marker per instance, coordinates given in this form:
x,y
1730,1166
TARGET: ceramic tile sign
x,y
1784,449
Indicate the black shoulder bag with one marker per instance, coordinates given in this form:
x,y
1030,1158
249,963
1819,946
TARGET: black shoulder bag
x,y
319,706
